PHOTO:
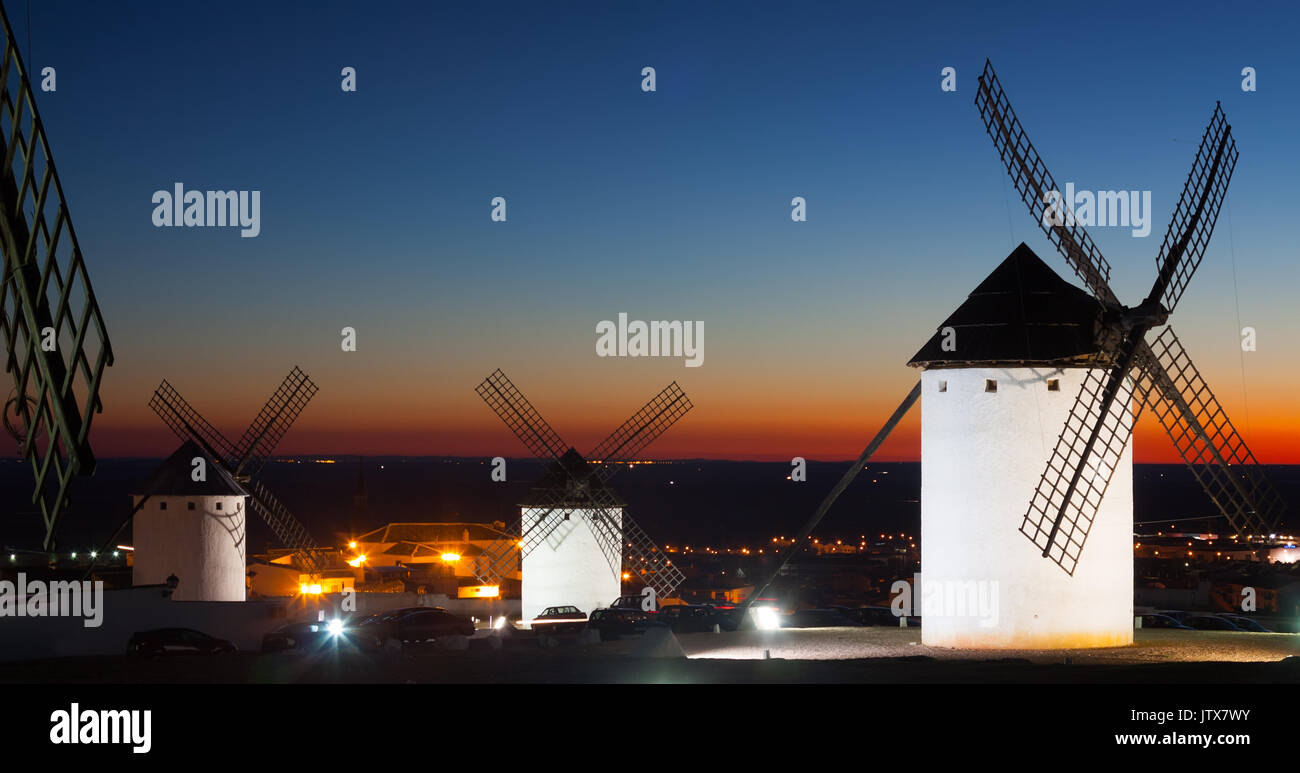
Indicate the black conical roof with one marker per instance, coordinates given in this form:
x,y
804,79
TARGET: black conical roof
x,y
1023,313
174,477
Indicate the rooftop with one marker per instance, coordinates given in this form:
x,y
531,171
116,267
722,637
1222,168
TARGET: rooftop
x,y
1022,314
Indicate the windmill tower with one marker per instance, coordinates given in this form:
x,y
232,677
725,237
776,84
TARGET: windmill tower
x,y
998,382
976,446
45,299
574,534
192,529
239,464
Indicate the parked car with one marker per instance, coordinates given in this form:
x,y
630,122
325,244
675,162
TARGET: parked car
x,y
1162,621
1245,623
1211,623
563,619
373,630
696,618
631,602
613,623
307,635
426,624
176,641
1177,614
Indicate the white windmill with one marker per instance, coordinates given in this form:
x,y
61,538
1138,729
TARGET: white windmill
x,y
575,538
998,425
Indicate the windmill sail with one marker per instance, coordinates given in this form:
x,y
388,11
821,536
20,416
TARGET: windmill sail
x,y
44,292
1195,422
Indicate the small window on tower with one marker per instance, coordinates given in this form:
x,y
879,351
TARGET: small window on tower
x,y
990,385
1053,385
189,505
218,505
943,386
162,505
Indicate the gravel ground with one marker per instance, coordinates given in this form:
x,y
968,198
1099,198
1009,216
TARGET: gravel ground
x,y
798,656
1152,646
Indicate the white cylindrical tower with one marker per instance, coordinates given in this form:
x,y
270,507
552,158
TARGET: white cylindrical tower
x,y
572,565
984,584
569,560
191,529
1000,379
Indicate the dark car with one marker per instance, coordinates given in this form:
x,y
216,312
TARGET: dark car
x,y
375,629
613,623
176,641
1210,623
696,618
563,619
631,602
1246,624
303,636
1162,621
427,624
1177,614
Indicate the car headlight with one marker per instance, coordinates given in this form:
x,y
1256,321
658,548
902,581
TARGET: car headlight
x,y
335,627
765,619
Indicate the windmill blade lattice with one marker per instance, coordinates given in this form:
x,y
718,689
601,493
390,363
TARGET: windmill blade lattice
x,y
1198,209
291,533
1206,439
44,287
1032,181
273,421
187,424
639,431
510,405
1060,515
644,559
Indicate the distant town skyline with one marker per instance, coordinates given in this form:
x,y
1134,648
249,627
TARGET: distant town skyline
x,y
375,207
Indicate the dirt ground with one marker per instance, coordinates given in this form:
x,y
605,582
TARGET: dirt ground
x,y
814,655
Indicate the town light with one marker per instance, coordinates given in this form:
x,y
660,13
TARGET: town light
x,y
358,561
451,558
313,589
352,545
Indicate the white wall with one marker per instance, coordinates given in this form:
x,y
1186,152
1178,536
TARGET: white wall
x,y
203,547
569,567
982,454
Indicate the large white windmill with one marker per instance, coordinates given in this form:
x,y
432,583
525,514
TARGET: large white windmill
x,y
999,381
998,425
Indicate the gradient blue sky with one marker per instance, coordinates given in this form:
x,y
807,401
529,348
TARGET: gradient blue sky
x,y
671,205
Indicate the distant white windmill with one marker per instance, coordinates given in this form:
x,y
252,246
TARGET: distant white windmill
x,y
574,534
